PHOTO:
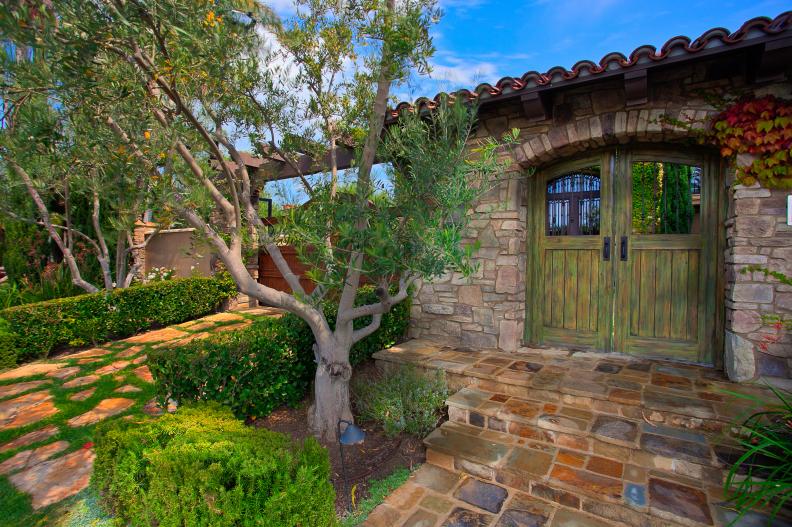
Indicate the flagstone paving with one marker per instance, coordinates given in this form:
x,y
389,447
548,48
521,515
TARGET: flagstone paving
x,y
82,395
49,409
81,381
106,408
35,436
28,458
30,370
26,409
555,438
21,387
112,367
52,481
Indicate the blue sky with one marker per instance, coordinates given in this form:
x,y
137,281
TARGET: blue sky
x,y
484,40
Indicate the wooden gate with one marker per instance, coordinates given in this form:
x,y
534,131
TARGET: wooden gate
x,y
271,277
627,252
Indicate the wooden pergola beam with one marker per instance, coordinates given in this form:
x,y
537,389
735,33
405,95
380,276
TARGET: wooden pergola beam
x,y
276,169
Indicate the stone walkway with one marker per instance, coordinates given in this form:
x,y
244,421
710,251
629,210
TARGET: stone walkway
x,y
561,439
47,406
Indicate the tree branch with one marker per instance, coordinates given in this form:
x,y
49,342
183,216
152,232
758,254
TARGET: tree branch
x,y
104,254
286,157
79,233
376,123
184,153
360,334
77,278
247,285
386,301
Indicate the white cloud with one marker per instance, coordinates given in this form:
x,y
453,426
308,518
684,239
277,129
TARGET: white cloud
x,y
464,74
282,7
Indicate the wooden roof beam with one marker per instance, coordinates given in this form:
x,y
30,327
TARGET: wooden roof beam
x,y
536,106
636,87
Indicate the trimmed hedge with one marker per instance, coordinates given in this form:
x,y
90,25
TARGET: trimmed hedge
x,y
259,368
8,351
42,327
252,370
201,466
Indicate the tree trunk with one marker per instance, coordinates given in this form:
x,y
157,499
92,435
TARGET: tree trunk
x,y
331,393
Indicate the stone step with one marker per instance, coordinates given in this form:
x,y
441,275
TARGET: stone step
x,y
683,452
614,490
678,395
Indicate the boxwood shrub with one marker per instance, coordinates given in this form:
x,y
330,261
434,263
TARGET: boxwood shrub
x,y
253,370
8,351
42,327
259,368
201,466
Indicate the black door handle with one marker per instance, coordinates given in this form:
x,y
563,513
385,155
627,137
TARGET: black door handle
x,y
624,248
606,249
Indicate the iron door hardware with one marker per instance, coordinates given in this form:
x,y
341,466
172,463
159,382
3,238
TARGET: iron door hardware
x,y
606,248
623,248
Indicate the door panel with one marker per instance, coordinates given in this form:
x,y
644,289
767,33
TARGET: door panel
x,y
665,303
573,224
572,283
661,206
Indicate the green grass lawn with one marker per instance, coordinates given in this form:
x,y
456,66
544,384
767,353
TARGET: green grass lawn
x,y
378,490
81,509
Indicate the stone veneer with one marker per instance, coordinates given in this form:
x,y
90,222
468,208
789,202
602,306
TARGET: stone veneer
x,y
757,234
488,310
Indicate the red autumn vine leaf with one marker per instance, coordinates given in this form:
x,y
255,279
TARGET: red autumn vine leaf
x,y
761,127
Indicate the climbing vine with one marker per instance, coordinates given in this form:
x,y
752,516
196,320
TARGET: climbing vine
x,y
762,129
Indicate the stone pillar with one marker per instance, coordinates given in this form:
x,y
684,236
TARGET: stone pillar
x,y
139,233
757,234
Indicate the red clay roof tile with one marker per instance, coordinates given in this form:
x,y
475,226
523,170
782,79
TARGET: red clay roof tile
x,y
754,29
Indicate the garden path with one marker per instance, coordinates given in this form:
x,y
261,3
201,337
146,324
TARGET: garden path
x,y
49,409
556,438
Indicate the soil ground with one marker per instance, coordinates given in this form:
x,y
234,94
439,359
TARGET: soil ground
x,y
377,457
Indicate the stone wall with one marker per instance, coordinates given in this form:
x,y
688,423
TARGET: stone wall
x,y
757,234
489,309
486,310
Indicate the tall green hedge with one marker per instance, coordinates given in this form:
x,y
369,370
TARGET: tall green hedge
x,y
40,328
200,466
262,367
8,351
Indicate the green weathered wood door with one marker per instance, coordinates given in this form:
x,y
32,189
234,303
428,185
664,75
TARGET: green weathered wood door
x,y
666,214
628,263
572,225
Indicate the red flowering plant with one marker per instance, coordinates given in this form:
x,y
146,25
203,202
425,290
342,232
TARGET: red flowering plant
x,y
761,130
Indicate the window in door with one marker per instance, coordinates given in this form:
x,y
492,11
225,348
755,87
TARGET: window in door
x,y
573,203
666,198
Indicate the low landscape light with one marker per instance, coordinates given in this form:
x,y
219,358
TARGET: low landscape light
x,y
352,435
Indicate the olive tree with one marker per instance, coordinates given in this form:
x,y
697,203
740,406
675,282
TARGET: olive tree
x,y
63,171
213,75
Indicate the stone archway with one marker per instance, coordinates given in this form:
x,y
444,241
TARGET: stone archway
x,y
652,125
